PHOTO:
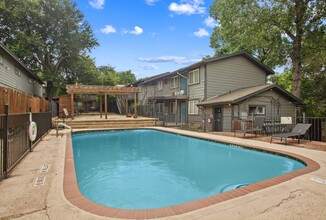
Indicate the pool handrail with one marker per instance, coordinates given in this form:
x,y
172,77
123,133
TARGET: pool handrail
x,y
64,125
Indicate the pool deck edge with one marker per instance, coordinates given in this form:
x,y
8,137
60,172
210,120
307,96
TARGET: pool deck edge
x,y
73,195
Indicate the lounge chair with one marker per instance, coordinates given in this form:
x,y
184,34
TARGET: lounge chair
x,y
298,132
257,127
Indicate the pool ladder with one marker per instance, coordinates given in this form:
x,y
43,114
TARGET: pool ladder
x,y
64,125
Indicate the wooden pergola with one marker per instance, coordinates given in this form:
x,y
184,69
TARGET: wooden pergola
x,y
102,90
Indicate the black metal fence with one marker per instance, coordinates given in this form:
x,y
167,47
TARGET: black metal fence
x,y
317,130
14,139
209,122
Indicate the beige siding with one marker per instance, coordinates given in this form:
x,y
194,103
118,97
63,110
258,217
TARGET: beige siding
x,y
21,82
232,73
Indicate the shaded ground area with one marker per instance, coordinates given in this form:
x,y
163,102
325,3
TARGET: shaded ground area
x,y
314,145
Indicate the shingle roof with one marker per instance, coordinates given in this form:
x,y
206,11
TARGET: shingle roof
x,y
192,66
267,70
239,95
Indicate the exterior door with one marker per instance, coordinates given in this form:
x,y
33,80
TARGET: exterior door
x,y
218,119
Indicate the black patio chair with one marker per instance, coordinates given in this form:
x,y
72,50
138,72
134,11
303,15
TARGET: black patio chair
x,y
257,127
299,131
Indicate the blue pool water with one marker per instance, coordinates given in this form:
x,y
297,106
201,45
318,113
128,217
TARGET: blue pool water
x,y
143,169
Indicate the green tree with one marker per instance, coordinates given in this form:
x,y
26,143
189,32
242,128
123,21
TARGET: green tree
x,y
47,35
83,71
108,76
278,32
284,80
126,77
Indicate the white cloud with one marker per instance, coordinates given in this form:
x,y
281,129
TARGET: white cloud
x,y
162,59
151,2
201,33
150,67
168,59
188,7
210,22
108,29
137,30
97,4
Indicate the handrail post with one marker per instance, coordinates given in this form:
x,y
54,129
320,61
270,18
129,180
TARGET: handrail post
x,y
5,141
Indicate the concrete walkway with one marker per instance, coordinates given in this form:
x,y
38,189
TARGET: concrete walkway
x,y
299,198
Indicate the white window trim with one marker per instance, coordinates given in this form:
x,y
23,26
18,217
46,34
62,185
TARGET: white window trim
x,y
192,77
192,107
160,85
174,84
1,59
256,106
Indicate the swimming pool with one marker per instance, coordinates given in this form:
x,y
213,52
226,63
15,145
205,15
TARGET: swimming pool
x,y
145,169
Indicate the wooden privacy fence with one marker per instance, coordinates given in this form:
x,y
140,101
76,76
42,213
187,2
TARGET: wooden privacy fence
x,y
20,102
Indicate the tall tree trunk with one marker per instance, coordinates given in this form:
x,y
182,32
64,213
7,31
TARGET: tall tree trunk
x,y
297,46
50,90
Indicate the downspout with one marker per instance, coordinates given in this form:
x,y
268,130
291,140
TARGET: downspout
x,y
180,90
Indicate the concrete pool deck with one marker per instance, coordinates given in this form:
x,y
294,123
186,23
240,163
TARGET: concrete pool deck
x,y
298,198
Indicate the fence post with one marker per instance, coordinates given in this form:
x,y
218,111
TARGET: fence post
x,y
5,141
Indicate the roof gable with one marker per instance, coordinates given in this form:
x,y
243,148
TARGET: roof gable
x,y
252,59
242,94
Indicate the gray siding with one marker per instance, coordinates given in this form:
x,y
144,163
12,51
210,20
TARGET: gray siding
x,y
146,91
227,118
22,82
196,92
271,100
232,73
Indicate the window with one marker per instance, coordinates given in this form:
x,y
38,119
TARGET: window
x,y
1,59
17,71
172,108
160,85
194,77
192,108
159,107
174,82
257,110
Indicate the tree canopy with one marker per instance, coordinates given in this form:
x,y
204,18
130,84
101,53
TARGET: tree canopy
x,y
49,36
277,32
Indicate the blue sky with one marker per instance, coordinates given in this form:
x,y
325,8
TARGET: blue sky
x,y
149,37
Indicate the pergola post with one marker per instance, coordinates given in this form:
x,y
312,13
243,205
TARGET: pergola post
x,y
100,106
135,104
72,105
127,106
106,105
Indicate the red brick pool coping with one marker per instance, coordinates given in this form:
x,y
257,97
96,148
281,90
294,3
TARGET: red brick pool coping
x,y
73,195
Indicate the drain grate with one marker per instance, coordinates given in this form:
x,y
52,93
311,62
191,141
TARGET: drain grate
x,y
45,168
40,180
318,180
